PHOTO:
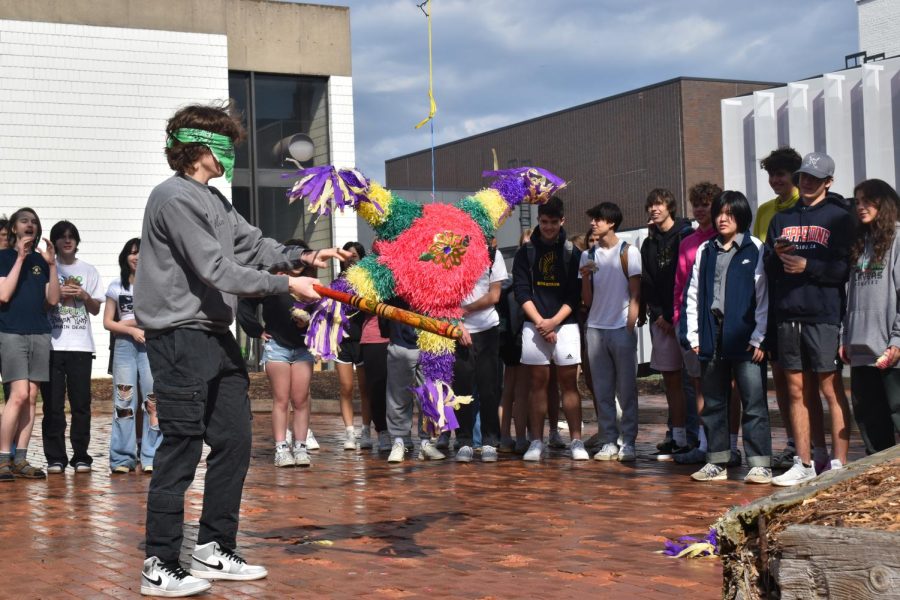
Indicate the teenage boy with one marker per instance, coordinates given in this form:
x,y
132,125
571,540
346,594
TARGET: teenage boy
x,y
726,317
780,164
659,258
477,365
545,272
194,252
612,268
807,266
81,293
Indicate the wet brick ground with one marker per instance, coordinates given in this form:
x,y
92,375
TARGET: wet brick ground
x,y
354,526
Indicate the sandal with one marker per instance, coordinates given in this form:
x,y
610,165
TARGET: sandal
x,y
26,470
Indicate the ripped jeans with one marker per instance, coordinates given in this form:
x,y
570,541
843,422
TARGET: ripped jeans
x,y
130,367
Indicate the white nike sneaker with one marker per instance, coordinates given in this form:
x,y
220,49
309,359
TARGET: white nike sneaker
x,y
212,561
169,581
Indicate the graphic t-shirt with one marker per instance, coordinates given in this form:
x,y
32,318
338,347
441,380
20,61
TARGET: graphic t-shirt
x,y
484,319
123,298
70,321
609,308
24,313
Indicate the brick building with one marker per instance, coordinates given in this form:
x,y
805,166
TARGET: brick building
x,y
617,148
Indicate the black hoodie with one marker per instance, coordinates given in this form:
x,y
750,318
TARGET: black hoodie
x,y
659,259
822,234
548,283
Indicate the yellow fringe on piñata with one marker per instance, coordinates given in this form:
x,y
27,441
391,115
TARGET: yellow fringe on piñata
x,y
494,204
382,198
436,344
362,284
459,401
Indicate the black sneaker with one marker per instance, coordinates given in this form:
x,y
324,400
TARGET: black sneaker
x,y
669,451
169,580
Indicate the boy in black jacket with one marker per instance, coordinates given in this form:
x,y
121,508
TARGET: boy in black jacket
x,y
545,280
807,265
659,259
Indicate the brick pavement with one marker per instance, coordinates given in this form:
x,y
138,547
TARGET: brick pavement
x,y
352,525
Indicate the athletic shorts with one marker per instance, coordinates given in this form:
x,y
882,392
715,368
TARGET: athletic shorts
x,y
691,364
350,354
275,352
538,351
808,346
24,356
666,354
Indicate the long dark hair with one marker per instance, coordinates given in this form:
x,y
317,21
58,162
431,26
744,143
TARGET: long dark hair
x,y
124,267
881,230
38,230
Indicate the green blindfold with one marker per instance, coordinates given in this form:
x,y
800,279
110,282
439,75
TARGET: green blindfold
x,y
220,145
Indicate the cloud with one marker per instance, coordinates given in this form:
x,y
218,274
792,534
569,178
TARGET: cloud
x,y
497,62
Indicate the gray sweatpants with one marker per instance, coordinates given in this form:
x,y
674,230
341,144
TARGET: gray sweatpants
x,y
402,375
612,354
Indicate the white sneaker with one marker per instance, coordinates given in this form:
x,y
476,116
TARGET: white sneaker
x,y
555,440
535,451
626,453
398,452
172,581
710,472
428,451
608,452
578,451
465,454
350,439
55,468
212,561
488,454
759,475
836,465
365,439
301,456
283,456
311,443
795,475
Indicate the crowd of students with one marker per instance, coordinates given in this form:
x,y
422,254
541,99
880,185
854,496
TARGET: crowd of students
x,y
806,285
46,345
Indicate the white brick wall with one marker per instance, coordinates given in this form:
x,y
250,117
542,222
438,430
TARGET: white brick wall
x,y
82,115
343,148
879,26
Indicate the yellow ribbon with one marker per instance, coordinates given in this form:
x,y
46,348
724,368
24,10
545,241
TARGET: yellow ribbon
x,y
430,71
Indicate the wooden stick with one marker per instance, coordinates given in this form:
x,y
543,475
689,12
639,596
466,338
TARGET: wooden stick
x,y
429,324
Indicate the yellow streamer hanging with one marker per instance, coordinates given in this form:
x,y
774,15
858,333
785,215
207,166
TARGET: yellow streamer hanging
x,y
433,108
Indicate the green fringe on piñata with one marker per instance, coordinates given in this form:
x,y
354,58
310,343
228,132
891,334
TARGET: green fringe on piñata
x,y
478,214
403,213
381,276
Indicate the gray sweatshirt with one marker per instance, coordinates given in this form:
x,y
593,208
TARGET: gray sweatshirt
x,y
197,255
872,322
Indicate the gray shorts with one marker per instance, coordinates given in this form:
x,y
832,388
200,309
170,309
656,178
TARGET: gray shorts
x,y
24,357
808,346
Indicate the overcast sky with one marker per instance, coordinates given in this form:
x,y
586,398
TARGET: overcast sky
x,y
498,62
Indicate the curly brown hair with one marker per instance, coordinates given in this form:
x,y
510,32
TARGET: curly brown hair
x,y
881,231
782,159
703,193
220,118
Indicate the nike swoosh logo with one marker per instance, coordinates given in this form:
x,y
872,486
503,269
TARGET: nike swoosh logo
x,y
217,567
158,579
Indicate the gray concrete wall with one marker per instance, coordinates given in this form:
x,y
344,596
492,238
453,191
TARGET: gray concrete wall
x,y
263,35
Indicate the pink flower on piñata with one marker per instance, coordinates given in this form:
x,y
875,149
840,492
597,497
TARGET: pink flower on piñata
x,y
429,284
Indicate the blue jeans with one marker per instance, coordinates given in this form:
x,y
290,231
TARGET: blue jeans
x,y
751,382
130,366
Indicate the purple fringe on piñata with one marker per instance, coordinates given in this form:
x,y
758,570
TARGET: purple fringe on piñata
x,y
525,184
328,323
437,371
675,547
347,188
